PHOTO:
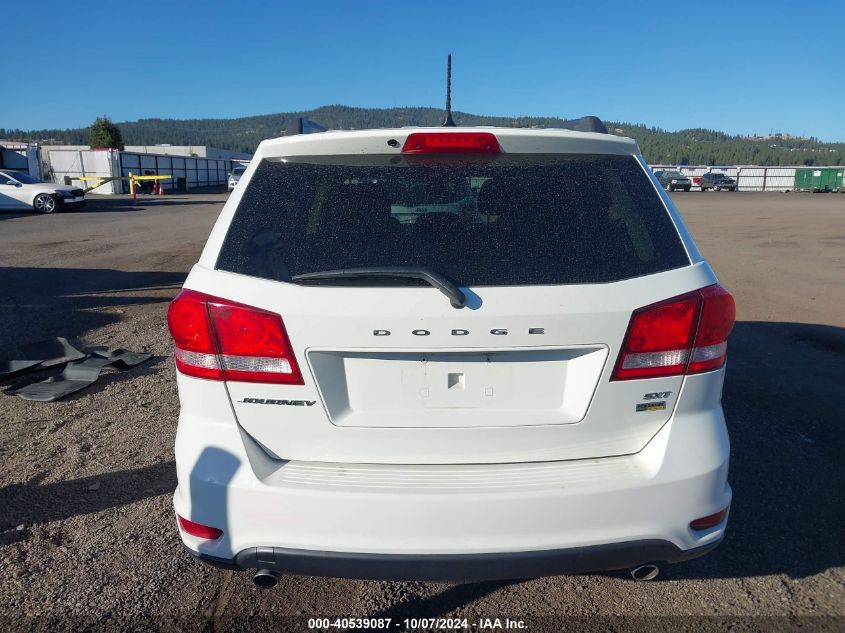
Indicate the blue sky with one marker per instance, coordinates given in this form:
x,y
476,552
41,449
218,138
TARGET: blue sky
x,y
773,65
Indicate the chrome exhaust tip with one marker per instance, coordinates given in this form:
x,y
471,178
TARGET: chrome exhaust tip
x,y
649,571
266,578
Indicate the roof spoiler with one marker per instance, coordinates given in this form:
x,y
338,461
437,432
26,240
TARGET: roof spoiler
x,y
585,124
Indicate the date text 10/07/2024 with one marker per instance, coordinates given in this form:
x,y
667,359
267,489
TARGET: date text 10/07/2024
x,y
417,624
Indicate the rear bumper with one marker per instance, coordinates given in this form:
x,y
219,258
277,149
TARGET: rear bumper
x,y
459,567
463,521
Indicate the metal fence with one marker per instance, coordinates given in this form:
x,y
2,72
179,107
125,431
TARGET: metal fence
x,y
188,172
748,177
197,171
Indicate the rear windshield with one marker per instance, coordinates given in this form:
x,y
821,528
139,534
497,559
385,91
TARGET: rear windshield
x,y
516,220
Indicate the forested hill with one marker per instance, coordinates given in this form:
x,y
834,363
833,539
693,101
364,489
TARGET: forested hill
x,y
696,146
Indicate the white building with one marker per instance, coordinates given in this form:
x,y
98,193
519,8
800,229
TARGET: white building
x,y
201,151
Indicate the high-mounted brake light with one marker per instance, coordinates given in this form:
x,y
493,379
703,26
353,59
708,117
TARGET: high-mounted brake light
x,y
219,339
199,530
451,143
685,334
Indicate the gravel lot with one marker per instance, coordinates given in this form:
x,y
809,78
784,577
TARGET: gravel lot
x,y
87,535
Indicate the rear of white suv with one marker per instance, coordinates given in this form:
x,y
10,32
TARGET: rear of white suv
x,y
518,381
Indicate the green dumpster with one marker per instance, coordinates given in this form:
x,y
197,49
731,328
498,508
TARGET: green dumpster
x,y
818,179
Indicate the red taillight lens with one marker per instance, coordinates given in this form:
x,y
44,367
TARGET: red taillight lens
x,y
682,334
223,340
199,530
451,142
190,327
659,339
711,520
253,344
718,313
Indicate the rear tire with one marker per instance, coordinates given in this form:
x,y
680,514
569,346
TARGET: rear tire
x,y
45,203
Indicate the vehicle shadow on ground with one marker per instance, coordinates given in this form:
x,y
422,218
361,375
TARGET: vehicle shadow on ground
x,y
447,601
144,203
783,395
39,303
32,503
11,214
118,205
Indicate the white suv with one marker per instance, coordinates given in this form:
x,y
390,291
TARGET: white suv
x,y
526,384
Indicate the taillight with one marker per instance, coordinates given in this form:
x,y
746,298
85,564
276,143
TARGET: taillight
x,y
190,328
223,340
718,313
199,530
451,142
685,334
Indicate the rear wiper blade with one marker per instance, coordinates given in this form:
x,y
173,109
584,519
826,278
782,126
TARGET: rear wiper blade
x,y
441,282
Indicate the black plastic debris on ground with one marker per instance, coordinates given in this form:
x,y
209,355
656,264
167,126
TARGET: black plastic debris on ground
x,y
81,368
39,355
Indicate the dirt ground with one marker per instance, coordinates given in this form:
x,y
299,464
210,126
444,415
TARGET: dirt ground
x,y
87,534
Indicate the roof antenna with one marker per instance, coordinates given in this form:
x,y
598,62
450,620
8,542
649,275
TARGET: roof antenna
x,y
448,122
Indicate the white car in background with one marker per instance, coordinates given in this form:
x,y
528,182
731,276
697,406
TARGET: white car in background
x,y
21,191
235,176
529,386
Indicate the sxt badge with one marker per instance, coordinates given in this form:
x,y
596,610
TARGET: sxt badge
x,y
657,395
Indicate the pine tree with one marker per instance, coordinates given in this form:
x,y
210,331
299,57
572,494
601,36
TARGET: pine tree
x,y
104,133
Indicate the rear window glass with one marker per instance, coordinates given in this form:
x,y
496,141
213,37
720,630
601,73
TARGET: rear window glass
x,y
515,220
